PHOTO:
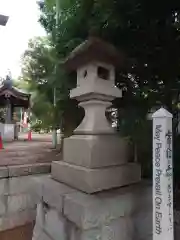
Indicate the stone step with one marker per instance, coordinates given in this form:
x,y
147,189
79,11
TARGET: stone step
x,y
21,159
28,158
5,153
25,170
25,146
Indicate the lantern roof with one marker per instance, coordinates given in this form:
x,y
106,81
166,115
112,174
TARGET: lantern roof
x,y
94,49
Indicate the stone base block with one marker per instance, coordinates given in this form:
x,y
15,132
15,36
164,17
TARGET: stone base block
x,y
96,151
95,180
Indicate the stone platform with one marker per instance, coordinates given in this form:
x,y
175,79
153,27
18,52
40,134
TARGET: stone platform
x,y
119,214
63,211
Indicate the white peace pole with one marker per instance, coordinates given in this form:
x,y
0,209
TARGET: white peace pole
x,y
162,176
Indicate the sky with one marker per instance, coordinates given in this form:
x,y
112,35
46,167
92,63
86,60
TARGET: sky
x,y
22,26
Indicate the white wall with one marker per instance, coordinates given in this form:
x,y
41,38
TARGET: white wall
x,y
7,131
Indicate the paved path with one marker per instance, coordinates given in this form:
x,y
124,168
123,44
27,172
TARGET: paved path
x,y
39,150
36,137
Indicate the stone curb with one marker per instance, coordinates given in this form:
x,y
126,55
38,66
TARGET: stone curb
x,y
24,170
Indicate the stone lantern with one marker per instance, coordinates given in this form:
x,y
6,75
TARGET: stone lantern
x,y
95,157
72,202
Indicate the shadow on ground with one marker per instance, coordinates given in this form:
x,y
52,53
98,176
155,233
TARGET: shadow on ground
x,y
20,233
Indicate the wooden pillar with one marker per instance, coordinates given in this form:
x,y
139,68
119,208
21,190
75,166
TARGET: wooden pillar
x,y
8,119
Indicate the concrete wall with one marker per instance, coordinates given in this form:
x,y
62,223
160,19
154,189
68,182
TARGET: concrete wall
x,y
7,131
17,207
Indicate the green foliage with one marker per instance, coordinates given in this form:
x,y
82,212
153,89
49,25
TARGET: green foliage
x,y
148,33
41,77
37,127
37,66
146,30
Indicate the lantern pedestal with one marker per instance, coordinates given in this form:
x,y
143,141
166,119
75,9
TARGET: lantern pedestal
x,y
94,180
93,163
94,121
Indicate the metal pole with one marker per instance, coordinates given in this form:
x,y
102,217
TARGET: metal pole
x,y
54,137
21,119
